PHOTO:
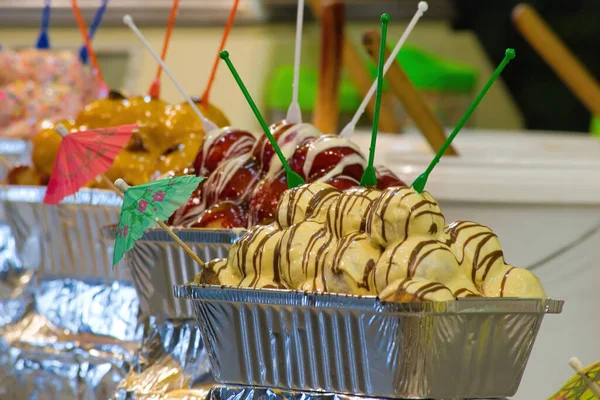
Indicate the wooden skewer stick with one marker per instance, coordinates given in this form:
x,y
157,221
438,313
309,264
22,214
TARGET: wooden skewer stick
x,y
111,185
410,98
578,367
557,55
360,75
123,186
5,163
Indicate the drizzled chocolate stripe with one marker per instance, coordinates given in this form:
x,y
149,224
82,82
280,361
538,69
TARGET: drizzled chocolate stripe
x,y
504,279
345,205
257,259
428,288
318,199
413,263
486,262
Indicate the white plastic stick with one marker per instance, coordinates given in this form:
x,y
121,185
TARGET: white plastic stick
x,y
578,367
351,126
294,114
207,125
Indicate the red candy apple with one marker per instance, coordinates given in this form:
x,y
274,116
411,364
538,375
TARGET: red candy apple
x,y
224,215
330,155
386,178
288,137
221,145
234,179
265,198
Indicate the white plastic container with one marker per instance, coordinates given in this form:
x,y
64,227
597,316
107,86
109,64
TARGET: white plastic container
x,y
540,192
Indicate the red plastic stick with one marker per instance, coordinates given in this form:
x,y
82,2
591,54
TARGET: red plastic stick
x,y
154,90
88,44
213,73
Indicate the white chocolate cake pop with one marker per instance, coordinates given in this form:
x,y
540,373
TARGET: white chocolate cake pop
x,y
389,243
401,212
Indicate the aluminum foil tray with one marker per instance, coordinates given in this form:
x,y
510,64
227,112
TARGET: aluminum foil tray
x,y
467,348
157,263
14,151
63,240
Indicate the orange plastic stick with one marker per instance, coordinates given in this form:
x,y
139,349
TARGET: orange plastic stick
x,y
86,40
154,90
213,73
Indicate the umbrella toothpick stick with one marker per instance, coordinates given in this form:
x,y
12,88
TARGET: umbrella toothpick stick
x,y
591,385
123,186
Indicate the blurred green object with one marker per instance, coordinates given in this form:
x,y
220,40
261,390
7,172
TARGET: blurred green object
x,y
432,73
425,70
595,127
279,92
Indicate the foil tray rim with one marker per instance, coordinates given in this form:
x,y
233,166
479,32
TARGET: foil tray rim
x,y
282,297
85,196
13,146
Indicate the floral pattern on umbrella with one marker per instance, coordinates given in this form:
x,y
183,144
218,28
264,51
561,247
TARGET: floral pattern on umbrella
x,y
143,204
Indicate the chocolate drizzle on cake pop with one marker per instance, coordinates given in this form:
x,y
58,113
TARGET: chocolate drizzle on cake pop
x,y
365,241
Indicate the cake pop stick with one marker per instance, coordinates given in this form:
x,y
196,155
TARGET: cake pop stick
x,y
207,125
43,42
293,179
421,181
369,177
351,126
408,95
88,45
294,114
83,53
591,385
154,90
213,72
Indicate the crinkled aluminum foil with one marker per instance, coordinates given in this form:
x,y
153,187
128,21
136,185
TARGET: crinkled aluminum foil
x,y
359,345
76,341
157,263
15,282
172,358
63,240
222,392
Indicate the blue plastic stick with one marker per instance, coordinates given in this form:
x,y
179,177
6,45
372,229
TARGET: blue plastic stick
x,y
43,42
83,52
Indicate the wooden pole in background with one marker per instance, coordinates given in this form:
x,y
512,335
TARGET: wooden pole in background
x,y
558,56
327,110
409,97
356,67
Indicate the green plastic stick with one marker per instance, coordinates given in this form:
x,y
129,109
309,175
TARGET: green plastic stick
x,y
369,177
293,179
421,181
